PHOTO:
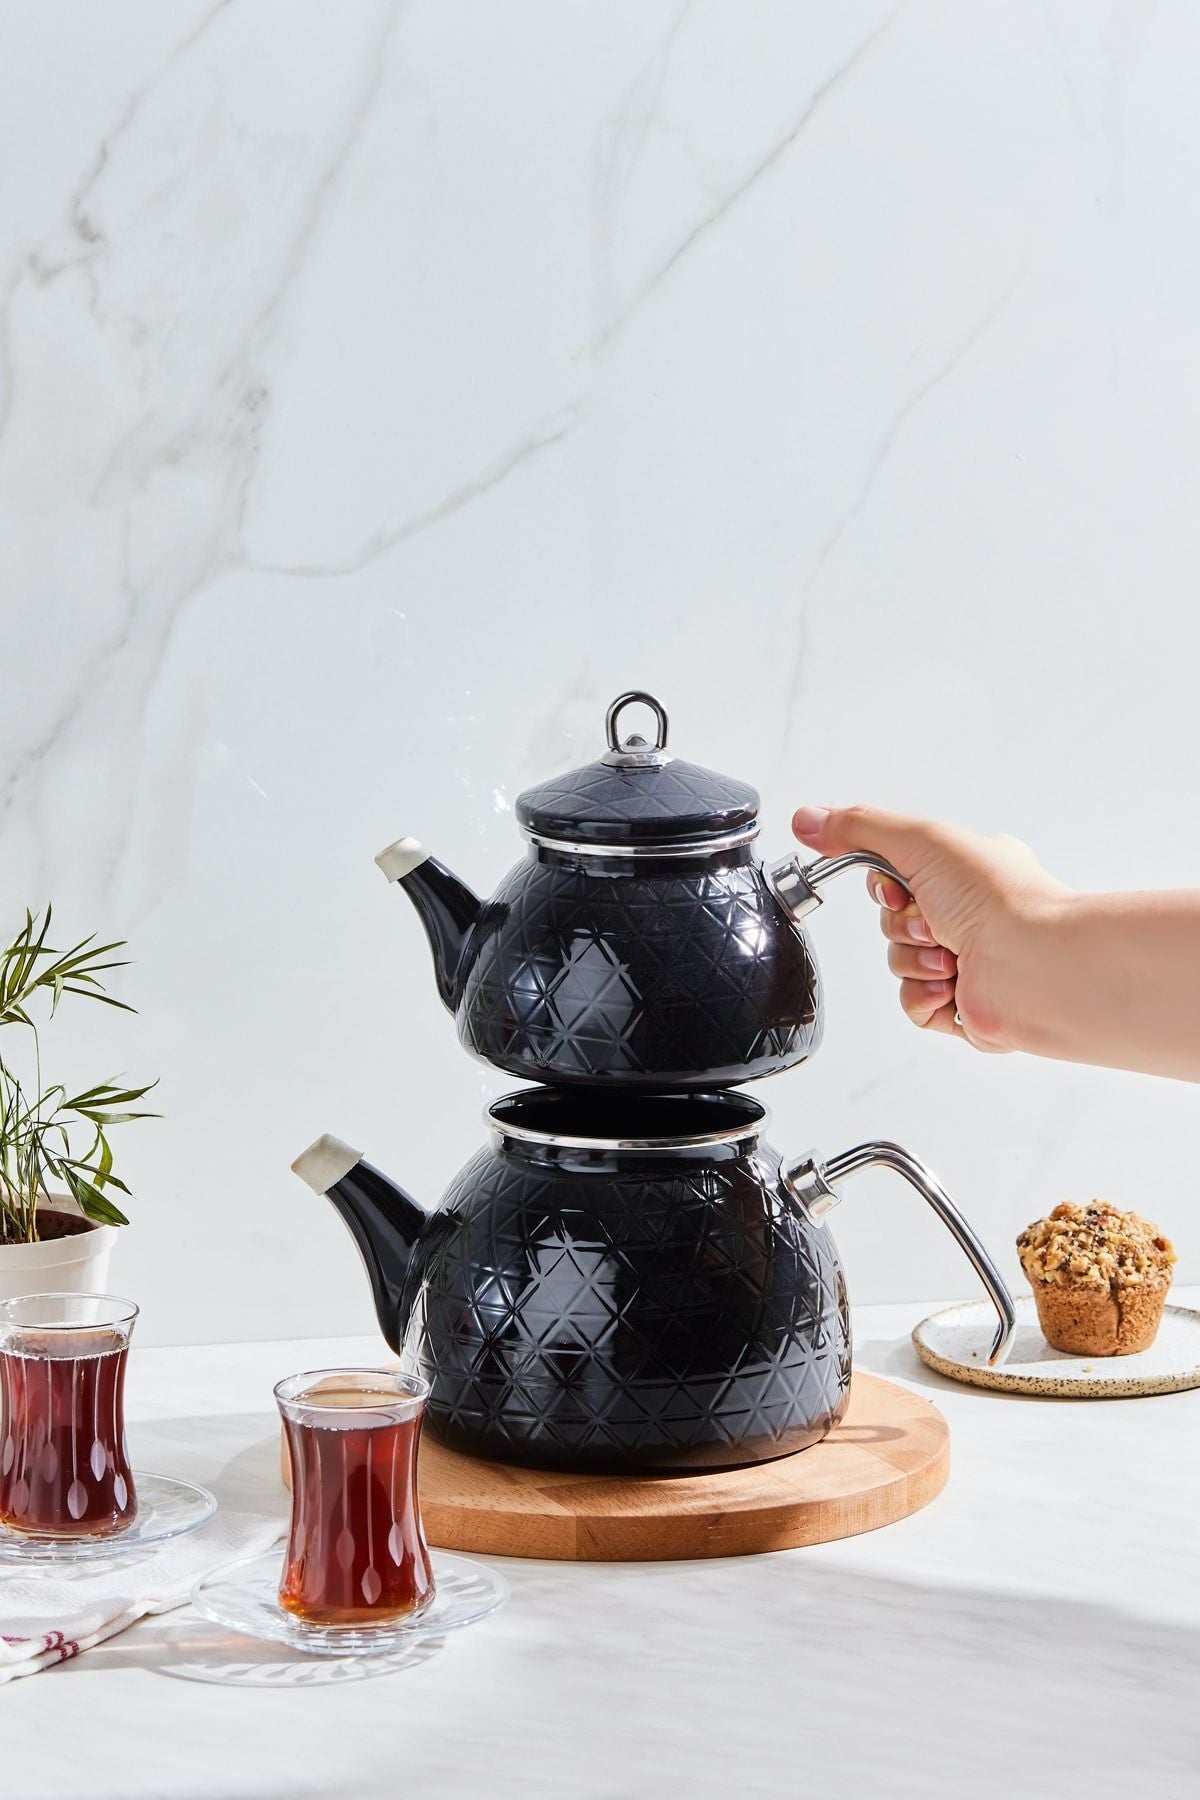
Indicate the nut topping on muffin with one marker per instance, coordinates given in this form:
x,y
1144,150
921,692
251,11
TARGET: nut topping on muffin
x,y
1099,1277
1095,1246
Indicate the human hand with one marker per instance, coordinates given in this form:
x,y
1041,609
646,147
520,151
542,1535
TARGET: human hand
x,y
965,945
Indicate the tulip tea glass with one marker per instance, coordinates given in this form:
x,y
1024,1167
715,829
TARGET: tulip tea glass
x,y
356,1553
64,1463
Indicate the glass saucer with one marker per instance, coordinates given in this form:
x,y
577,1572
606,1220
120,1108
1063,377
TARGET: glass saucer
x,y
245,1597
167,1508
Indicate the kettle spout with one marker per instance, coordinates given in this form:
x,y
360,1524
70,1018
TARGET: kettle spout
x,y
448,909
384,1221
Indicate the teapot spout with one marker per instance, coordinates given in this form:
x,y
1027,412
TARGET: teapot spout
x,y
447,907
384,1221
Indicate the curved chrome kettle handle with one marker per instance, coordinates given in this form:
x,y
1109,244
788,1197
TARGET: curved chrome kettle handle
x,y
795,885
812,1184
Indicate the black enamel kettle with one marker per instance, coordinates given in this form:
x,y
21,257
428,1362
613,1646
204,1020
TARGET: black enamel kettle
x,y
624,1282
640,943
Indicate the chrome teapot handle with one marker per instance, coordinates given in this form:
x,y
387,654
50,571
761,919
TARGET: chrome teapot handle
x,y
811,1182
795,884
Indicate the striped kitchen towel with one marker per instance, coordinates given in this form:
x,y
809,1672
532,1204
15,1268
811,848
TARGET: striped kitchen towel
x,y
56,1611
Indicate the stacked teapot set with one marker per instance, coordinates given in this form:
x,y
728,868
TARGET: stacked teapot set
x,y
627,1277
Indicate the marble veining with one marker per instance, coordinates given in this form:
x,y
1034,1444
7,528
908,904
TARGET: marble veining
x,y
383,389
673,254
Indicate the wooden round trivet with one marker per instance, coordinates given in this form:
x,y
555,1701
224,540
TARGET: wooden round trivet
x,y
889,1457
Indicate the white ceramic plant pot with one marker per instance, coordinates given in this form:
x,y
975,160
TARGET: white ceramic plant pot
x,y
66,1265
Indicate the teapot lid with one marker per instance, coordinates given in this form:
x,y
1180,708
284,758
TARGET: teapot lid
x,y
638,799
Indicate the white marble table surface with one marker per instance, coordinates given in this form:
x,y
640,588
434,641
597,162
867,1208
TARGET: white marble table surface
x,y
1035,1631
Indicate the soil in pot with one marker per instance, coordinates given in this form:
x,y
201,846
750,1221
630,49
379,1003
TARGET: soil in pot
x,y
52,1224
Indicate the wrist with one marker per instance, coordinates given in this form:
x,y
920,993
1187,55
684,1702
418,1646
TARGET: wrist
x,y
1035,971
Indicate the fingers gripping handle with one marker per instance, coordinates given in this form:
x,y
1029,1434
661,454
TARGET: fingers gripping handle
x,y
796,887
813,1184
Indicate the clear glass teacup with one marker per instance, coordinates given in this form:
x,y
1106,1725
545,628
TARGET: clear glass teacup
x,y
64,1461
356,1553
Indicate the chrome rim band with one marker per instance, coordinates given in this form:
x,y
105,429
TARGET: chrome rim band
x,y
731,840
556,1140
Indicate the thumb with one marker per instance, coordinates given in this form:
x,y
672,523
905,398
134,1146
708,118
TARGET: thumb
x,y
835,830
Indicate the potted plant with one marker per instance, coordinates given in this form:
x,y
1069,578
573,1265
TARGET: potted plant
x,y
58,1219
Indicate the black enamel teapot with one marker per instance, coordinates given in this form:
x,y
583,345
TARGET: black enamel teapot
x,y
623,1282
640,943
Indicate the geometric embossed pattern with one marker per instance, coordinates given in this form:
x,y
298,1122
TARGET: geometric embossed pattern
x,y
639,979
602,804
626,1312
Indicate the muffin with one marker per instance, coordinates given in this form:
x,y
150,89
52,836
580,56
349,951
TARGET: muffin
x,y
1099,1277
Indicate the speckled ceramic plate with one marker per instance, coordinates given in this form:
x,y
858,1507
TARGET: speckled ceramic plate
x,y
955,1343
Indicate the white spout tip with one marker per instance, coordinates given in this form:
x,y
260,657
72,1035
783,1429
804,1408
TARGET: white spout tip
x,y
324,1163
401,858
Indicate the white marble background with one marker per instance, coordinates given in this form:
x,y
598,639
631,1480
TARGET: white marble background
x,y
383,387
